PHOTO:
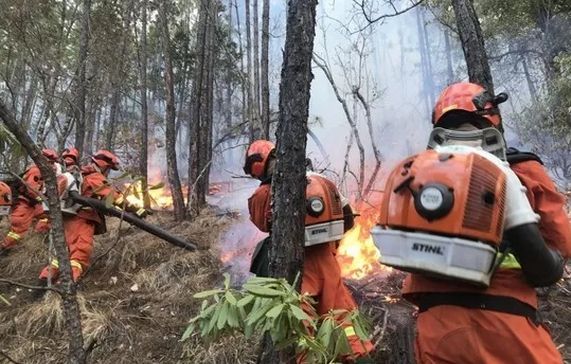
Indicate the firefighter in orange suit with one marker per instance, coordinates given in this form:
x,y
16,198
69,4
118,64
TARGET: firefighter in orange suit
x,y
70,157
80,223
28,205
460,323
321,273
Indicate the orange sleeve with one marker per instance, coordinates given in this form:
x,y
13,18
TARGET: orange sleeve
x,y
259,205
95,185
548,203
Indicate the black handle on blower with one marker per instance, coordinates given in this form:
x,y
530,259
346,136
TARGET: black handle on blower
x,y
133,220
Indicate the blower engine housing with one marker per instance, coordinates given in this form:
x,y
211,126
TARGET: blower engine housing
x,y
443,214
324,214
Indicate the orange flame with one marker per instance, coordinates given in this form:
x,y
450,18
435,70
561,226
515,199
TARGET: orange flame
x,y
357,255
159,195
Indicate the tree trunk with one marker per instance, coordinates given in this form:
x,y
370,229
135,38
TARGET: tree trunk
x,y
118,77
81,81
448,50
229,86
70,307
29,101
202,107
426,62
111,125
289,181
530,84
473,44
143,159
265,70
250,85
243,80
170,134
256,64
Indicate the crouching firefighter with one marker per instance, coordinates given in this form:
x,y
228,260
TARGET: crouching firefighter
x,y
82,223
328,217
28,203
479,230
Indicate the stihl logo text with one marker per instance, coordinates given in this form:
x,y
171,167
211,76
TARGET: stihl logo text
x,y
425,248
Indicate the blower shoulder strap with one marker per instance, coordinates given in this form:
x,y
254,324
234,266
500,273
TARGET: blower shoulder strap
x,y
515,156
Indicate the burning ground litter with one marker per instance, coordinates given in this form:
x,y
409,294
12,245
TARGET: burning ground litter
x,y
137,296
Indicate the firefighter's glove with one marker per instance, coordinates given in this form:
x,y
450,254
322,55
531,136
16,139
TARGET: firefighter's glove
x,y
43,226
139,211
142,213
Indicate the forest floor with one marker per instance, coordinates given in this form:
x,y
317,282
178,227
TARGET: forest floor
x,y
136,299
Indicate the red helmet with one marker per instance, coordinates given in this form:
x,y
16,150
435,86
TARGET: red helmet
x,y
257,157
105,159
468,98
70,156
5,194
50,154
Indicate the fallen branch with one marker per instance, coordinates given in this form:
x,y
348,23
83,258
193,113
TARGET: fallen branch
x,y
23,285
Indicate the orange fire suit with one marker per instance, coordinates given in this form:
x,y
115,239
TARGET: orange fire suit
x,y
26,207
451,333
321,273
79,229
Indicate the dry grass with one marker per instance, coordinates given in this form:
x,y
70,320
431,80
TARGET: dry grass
x,y
135,300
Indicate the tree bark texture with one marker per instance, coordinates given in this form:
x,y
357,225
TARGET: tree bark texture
x,y
81,81
143,158
243,80
472,40
265,70
170,134
70,307
289,180
202,107
254,132
256,62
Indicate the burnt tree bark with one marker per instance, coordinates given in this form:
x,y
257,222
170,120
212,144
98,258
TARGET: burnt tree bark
x,y
202,107
143,65
472,40
289,181
170,134
81,80
68,293
265,82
